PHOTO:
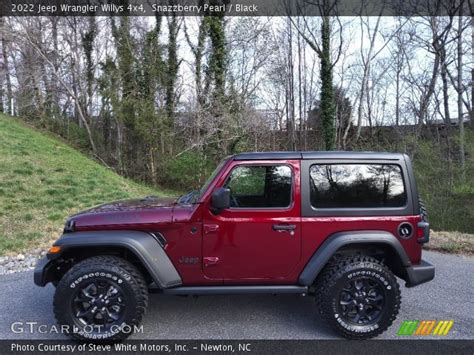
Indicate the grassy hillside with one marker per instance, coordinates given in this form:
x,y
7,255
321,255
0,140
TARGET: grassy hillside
x,y
42,181
449,198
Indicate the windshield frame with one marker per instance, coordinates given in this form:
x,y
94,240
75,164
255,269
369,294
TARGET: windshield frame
x,y
198,194
212,177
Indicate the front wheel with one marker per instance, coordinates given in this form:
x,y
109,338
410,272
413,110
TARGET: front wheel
x,y
358,296
101,298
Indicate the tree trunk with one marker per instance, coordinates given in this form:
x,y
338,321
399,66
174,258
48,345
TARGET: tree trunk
x,y
88,46
397,97
53,86
472,70
300,86
198,52
290,124
365,76
444,79
7,71
460,101
426,97
327,88
173,67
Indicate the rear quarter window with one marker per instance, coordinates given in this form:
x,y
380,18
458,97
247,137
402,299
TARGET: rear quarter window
x,y
357,186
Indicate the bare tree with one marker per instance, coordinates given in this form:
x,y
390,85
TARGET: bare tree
x,y
366,61
6,65
460,99
26,35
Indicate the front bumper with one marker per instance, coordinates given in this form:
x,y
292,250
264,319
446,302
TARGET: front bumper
x,y
418,274
42,271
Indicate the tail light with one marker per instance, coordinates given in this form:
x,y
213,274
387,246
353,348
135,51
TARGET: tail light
x,y
423,232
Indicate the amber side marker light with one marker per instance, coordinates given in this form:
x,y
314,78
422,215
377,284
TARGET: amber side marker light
x,y
54,249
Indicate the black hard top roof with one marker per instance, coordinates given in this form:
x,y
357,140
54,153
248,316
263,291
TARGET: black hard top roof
x,y
336,155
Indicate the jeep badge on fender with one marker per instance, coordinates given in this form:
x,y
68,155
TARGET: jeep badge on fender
x,y
339,226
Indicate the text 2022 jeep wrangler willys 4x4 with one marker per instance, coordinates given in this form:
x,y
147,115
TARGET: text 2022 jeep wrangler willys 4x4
x,y
337,225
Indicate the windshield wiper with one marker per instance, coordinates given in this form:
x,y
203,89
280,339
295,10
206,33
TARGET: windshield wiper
x,y
188,197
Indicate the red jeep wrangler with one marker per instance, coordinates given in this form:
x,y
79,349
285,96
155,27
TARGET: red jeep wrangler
x,y
337,225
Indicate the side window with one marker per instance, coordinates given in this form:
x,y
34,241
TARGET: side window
x,y
260,186
247,181
357,186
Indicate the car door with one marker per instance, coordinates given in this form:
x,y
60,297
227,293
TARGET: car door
x,y
259,237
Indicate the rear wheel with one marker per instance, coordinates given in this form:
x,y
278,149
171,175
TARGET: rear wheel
x,y
358,296
101,298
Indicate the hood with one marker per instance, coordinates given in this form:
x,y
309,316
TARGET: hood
x,y
144,212
149,202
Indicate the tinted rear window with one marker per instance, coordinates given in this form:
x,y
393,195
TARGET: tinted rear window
x,y
357,186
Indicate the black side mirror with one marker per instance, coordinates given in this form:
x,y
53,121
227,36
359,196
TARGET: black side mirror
x,y
220,199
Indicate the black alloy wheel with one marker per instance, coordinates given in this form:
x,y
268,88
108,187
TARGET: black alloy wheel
x,y
362,301
99,303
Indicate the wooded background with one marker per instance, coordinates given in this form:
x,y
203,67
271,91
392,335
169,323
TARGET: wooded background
x,y
163,99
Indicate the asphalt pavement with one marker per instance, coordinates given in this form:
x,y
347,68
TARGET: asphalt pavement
x,y
25,307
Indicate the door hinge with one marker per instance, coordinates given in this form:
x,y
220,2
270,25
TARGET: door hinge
x,y
210,228
210,260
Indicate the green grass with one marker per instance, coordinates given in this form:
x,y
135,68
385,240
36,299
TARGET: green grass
x,y
43,180
449,199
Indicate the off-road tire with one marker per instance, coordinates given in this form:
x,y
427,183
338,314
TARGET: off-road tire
x,y
341,271
101,269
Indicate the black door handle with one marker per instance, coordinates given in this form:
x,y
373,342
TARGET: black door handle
x,y
284,227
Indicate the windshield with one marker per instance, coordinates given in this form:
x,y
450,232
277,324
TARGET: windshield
x,y
194,195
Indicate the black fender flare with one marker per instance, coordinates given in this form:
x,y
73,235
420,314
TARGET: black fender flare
x,y
143,245
338,240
